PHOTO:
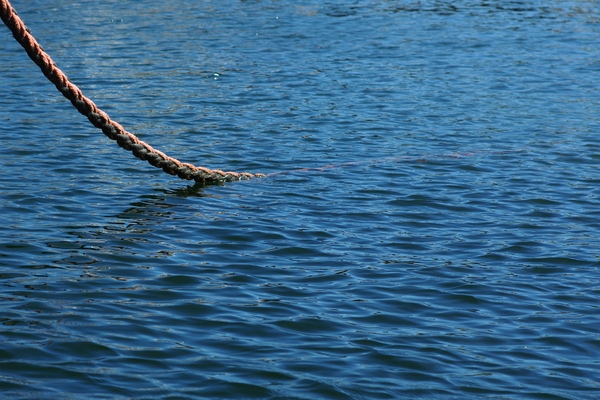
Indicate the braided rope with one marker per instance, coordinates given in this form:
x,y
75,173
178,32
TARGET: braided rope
x,y
100,119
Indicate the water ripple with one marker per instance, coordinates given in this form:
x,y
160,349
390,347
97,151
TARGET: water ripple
x,y
428,226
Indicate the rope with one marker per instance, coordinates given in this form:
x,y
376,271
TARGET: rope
x,y
100,119
402,159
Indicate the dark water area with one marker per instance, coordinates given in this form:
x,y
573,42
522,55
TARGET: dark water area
x,y
442,241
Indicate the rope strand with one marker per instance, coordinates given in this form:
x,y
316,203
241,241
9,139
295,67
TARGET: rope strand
x,y
100,119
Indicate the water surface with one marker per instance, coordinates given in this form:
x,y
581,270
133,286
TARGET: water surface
x,y
442,241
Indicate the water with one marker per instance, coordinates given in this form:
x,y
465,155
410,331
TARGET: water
x,y
449,250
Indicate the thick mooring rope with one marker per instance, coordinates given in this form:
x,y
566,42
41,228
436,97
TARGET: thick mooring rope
x,y
100,119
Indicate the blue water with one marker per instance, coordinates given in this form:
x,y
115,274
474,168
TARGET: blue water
x,y
443,243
